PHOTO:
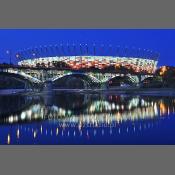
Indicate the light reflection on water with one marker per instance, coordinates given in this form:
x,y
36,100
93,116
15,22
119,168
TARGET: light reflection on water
x,y
72,118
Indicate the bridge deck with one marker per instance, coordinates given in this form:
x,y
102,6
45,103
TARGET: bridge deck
x,y
2,66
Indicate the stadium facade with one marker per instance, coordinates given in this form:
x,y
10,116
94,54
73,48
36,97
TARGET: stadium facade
x,y
78,57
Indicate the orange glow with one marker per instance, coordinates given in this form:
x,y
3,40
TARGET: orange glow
x,y
162,108
163,70
117,66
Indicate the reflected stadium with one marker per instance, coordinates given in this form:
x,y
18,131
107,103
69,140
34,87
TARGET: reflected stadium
x,y
86,109
86,119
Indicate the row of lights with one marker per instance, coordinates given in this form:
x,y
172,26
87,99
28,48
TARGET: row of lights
x,y
74,133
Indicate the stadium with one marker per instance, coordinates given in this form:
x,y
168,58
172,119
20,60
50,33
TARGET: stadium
x,y
89,57
81,66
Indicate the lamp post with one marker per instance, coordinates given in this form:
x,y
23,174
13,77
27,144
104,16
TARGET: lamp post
x,y
8,52
17,56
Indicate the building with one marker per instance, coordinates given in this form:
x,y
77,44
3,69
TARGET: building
x,y
85,57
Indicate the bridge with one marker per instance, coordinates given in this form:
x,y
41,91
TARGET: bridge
x,y
15,79
32,77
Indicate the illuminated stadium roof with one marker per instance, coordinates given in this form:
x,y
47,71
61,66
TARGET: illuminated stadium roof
x,y
77,57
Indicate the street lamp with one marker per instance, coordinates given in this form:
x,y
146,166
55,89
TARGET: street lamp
x,y
17,55
8,52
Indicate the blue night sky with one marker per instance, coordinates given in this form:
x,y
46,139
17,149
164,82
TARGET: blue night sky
x,y
161,41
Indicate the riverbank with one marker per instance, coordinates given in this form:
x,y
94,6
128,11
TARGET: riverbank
x,y
117,91
127,91
11,91
144,91
16,92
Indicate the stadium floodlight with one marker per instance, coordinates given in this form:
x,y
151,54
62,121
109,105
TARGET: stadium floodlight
x,y
57,50
81,51
68,48
118,51
125,51
74,49
62,49
110,49
87,49
102,49
94,49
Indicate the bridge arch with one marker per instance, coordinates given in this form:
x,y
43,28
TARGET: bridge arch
x,y
121,80
9,80
75,81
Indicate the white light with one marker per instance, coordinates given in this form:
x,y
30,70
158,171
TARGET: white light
x,y
23,115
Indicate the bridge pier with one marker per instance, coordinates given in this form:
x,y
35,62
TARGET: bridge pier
x,y
140,78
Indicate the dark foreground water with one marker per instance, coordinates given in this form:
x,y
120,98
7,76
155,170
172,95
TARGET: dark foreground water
x,y
77,118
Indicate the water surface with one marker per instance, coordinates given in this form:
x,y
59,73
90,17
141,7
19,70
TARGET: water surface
x,y
84,118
